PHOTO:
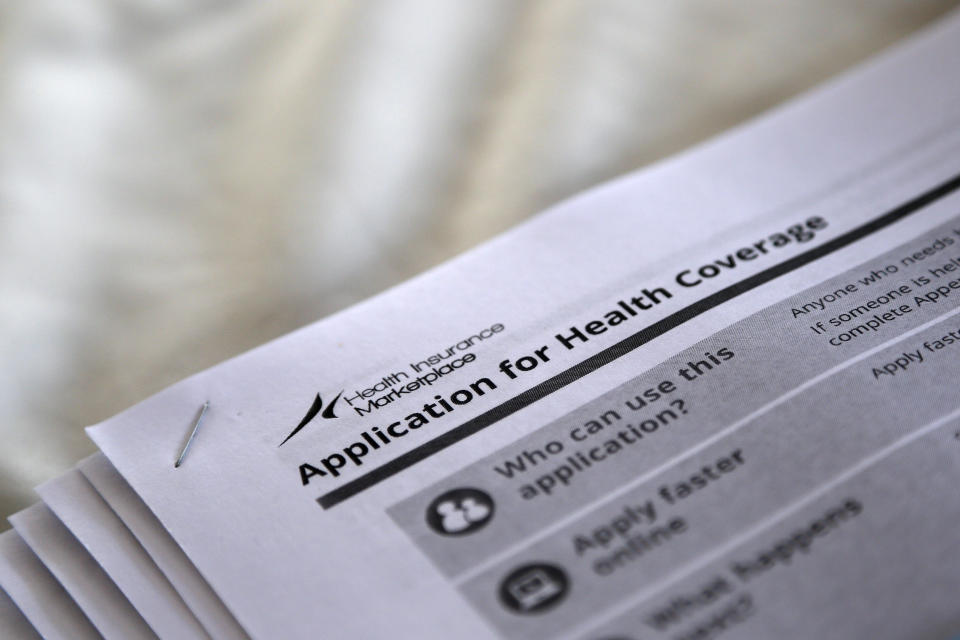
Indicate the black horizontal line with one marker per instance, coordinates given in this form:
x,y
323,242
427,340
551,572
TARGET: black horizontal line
x,y
627,345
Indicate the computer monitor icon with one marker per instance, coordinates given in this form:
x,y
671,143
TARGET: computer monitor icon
x,y
533,588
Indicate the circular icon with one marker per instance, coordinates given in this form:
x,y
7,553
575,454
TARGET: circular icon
x,y
460,511
534,588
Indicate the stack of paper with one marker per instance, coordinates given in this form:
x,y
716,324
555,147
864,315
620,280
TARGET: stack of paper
x,y
717,398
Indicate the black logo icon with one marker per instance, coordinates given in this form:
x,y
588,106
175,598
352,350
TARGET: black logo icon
x,y
460,511
312,413
534,588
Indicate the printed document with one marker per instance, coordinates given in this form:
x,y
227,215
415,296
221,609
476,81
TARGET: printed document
x,y
717,398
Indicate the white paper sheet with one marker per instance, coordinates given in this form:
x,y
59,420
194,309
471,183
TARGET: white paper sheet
x,y
78,506
327,456
13,624
36,597
89,586
170,559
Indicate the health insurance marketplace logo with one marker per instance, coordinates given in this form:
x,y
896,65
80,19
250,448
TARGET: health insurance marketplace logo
x,y
312,412
393,386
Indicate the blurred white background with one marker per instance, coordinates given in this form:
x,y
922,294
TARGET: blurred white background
x,y
183,180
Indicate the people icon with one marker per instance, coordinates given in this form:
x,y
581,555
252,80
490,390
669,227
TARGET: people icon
x,y
534,588
457,516
460,511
